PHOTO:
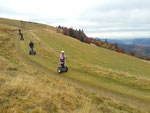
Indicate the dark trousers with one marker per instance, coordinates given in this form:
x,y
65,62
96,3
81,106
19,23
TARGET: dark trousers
x,y
62,65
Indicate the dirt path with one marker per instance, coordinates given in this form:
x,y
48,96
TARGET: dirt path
x,y
101,91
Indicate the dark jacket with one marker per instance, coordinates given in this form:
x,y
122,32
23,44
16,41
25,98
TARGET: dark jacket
x,y
19,31
31,44
21,35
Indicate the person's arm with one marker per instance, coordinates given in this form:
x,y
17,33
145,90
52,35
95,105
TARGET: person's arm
x,y
61,57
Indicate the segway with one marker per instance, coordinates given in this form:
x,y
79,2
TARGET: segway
x,y
62,69
32,52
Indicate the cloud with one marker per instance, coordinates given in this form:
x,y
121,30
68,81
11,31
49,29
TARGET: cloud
x,y
117,17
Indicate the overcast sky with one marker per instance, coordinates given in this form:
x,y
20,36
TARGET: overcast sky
x,y
98,18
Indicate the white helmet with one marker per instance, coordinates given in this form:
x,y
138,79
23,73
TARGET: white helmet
x,y
62,51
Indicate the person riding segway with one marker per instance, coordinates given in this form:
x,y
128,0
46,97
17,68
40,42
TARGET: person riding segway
x,y
31,46
62,67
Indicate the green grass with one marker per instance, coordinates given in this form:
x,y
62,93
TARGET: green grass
x,y
91,55
119,74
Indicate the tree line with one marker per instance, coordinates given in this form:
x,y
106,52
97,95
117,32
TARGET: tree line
x,y
80,35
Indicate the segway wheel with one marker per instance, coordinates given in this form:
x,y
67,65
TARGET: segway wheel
x,y
59,70
66,69
34,53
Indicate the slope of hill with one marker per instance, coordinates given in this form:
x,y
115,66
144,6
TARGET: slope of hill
x,y
137,49
99,80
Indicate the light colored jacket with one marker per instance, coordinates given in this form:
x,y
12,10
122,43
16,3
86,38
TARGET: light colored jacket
x,y
62,58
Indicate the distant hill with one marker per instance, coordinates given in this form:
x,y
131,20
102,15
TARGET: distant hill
x,y
138,41
137,49
119,41
140,46
141,41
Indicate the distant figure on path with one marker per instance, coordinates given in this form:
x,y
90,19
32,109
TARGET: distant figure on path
x,y
31,46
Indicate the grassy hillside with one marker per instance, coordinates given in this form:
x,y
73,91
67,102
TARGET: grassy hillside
x,y
119,83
